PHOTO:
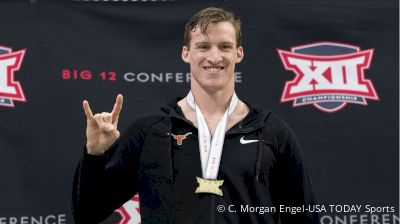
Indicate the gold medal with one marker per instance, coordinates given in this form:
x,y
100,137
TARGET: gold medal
x,y
209,186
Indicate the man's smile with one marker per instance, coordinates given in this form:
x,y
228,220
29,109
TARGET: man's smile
x,y
213,68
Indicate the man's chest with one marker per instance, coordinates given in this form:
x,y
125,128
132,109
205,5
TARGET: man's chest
x,y
170,159
239,152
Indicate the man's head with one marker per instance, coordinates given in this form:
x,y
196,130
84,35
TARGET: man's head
x,y
203,18
212,47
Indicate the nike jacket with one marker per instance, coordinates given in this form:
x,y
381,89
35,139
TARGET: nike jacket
x,y
261,166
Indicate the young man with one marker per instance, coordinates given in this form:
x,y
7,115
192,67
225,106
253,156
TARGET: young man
x,y
205,158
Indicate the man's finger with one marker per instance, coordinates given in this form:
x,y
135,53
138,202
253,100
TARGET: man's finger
x,y
87,110
106,117
117,108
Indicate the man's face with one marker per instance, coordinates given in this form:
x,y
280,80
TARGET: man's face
x,y
212,57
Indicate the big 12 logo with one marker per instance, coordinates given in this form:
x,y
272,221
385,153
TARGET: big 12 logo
x,y
10,90
328,75
130,211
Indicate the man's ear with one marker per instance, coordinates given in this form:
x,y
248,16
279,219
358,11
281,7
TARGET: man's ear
x,y
239,54
185,54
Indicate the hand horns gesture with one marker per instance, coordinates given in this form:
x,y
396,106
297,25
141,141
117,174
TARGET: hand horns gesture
x,y
101,130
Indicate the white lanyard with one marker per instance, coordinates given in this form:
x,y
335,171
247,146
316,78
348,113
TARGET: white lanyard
x,y
211,156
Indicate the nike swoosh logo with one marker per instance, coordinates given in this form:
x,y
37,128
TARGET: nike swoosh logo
x,y
243,141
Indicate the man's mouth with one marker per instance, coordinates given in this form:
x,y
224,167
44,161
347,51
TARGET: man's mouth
x,y
213,68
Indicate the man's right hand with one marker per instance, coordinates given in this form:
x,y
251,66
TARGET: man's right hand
x,y
101,130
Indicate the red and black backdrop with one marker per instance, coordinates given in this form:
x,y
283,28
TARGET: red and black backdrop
x,y
329,68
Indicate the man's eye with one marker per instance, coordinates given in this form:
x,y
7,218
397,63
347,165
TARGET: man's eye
x,y
203,47
226,47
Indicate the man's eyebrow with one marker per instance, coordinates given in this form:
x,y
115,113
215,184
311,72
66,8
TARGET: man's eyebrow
x,y
205,42
227,42
201,43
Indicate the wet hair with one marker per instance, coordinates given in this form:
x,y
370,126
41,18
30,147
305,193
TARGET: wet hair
x,y
211,15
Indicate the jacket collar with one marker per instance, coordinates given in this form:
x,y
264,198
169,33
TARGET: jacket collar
x,y
255,118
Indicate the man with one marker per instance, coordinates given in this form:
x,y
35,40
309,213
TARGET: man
x,y
205,158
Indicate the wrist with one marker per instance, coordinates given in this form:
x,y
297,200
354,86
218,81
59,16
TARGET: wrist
x,y
93,151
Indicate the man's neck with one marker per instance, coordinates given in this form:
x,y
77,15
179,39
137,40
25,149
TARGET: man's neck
x,y
213,106
212,103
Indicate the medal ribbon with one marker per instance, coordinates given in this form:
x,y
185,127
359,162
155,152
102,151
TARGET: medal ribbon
x,y
211,148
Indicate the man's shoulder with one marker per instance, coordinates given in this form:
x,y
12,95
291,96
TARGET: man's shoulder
x,y
265,117
275,121
272,123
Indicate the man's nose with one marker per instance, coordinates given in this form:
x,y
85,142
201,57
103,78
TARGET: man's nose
x,y
215,56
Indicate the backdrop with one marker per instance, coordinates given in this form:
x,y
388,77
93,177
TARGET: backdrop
x,y
329,68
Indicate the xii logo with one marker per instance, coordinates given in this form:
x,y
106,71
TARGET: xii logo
x,y
327,75
10,90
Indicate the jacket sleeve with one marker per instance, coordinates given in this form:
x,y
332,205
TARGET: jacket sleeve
x,y
291,185
103,183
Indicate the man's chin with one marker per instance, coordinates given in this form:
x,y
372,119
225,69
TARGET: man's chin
x,y
213,87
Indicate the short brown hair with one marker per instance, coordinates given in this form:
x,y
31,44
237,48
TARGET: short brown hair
x,y
210,15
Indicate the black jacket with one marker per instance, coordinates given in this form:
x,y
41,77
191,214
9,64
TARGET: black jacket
x,y
147,160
